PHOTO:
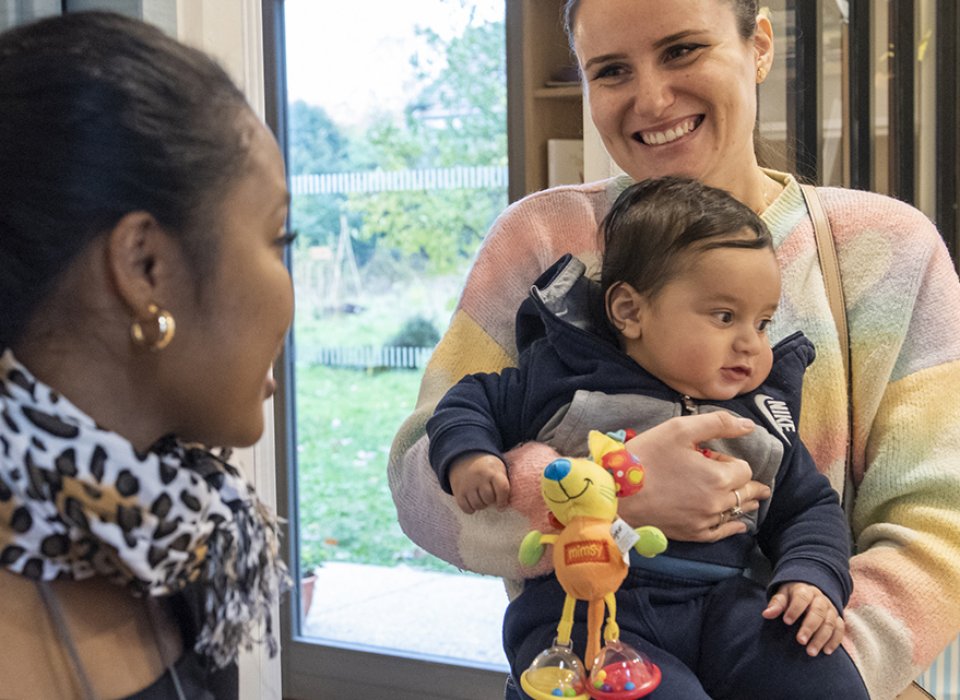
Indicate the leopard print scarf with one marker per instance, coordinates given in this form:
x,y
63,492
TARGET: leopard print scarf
x,y
77,500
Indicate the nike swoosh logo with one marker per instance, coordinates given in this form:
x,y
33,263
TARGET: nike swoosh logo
x,y
777,414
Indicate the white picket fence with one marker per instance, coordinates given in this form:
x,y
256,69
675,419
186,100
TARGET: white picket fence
x,y
423,179
367,357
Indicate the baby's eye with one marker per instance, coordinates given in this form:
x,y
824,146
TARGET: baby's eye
x,y
724,317
764,325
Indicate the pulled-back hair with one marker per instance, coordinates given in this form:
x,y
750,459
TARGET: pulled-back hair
x,y
745,10
100,116
655,225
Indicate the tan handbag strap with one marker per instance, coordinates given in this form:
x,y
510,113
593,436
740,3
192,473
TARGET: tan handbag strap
x,y
915,691
830,266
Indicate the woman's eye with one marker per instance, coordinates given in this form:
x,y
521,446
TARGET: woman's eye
x,y
680,51
609,71
285,239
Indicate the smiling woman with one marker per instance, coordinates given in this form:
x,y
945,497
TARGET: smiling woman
x,y
673,91
679,102
145,298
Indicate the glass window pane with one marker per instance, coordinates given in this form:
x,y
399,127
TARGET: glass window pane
x,y
398,165
832,146
925,107
879,19
773,150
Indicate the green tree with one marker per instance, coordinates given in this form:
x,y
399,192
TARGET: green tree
x,y
462,113
457,118
316,146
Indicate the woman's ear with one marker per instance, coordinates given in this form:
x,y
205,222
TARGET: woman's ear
x,y
625,308
141,259
763,46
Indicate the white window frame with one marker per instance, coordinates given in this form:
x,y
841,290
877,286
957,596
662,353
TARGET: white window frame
x,y
314,668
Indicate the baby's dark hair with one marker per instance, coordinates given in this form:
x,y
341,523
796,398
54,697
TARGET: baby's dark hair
x,y
102,115
654,226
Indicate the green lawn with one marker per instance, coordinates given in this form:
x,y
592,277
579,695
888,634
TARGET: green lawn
x,y
346,420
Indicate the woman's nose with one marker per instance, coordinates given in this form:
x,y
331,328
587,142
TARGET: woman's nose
x,y
653,94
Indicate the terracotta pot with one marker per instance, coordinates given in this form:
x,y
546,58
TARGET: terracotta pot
x,y
306,593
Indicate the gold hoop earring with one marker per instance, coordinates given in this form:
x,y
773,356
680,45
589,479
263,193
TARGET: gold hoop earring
x,y
157,339
761,74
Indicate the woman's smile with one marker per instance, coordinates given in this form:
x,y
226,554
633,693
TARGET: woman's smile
x,y
660,77
660,136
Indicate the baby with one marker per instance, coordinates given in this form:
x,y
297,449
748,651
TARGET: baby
x,y
689,285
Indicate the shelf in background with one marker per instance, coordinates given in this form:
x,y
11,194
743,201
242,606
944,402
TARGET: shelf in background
x,y
568,92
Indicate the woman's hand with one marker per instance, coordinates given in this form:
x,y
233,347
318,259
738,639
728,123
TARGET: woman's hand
x,y
685,493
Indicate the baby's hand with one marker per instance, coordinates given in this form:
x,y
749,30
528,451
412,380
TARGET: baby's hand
x,y
478,480
822,627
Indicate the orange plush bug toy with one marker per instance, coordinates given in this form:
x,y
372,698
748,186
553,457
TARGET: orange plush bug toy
x,y
589,557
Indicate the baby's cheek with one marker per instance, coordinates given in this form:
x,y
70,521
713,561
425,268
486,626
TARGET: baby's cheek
x,y
765,365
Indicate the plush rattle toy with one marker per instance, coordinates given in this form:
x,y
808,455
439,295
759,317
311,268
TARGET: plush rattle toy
x,y
590,556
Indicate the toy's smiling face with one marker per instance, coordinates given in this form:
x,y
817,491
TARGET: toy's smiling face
x,y
578,488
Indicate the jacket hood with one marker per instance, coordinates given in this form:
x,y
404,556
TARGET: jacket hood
x,y
564,303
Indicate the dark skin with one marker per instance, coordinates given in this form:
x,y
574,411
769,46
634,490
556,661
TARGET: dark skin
x,y
197,388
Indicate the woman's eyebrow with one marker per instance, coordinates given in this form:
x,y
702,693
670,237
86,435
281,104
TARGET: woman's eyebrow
x,y
603,59
671,38
658,44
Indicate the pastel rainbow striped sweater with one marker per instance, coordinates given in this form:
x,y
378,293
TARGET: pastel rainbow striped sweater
x,y
903,307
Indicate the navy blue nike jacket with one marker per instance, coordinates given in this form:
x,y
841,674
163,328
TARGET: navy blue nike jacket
x,y
572,377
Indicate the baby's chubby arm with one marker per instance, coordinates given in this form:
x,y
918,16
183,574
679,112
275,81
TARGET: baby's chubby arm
x,y
822,628
479,480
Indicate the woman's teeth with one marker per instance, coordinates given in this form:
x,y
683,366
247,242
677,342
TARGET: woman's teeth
x,y
658,138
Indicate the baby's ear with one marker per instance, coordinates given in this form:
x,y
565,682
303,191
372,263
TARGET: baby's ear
x,y
625,307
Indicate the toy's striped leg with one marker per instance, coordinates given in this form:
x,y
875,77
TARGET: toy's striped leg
x,y
594,622
611,632
565,628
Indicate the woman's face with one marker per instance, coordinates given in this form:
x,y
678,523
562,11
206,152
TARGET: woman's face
x,y
229,339
672,86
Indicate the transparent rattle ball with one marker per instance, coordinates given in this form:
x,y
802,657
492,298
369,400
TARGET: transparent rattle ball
x,y
620,672
555,673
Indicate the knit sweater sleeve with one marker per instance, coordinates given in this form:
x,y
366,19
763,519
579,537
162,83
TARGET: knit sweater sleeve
x,y
903,300
528,237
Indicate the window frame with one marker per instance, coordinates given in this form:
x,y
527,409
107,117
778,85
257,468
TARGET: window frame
x,y
314,668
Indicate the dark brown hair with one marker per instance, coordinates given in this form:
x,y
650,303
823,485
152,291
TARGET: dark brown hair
x,y
656,225
100,116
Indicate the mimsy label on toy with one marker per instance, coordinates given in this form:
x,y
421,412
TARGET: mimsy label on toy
x,y
625,537
585,552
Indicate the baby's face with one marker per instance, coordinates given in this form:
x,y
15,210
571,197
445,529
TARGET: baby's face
x,y
705,333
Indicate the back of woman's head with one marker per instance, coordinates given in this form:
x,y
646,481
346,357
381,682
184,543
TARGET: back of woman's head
x,y
101,115
655,227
